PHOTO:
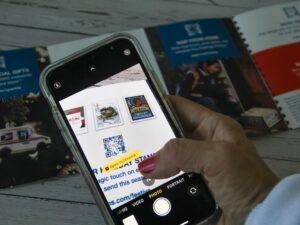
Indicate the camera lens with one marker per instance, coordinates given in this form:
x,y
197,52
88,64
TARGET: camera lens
x,y
57,85
127,52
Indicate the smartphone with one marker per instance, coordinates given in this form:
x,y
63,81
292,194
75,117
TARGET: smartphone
x,y
113,114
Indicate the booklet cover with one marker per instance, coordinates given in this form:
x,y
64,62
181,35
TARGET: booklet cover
x,y
206,61
31,147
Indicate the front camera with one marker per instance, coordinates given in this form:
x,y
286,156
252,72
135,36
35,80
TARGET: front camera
x,y
57,85
92,68
127,52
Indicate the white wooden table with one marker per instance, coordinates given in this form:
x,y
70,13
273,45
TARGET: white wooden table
x,y
26,23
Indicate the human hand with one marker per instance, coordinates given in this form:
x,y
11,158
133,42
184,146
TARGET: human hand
x,y
217,147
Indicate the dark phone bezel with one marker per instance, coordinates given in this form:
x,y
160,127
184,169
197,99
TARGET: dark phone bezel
x,y
72,76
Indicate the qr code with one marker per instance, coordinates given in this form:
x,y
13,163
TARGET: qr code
x,y
193,29
113,146
291,12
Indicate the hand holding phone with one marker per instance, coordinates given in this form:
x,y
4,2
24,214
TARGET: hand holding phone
x,y
113,115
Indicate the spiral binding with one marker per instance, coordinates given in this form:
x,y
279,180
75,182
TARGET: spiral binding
x,y
258,68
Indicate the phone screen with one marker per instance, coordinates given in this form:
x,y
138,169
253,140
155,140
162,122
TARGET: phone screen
x,y
119,120
118,123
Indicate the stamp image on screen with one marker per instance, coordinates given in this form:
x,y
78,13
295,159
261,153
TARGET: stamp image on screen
x,y
139,108
107,114
114,146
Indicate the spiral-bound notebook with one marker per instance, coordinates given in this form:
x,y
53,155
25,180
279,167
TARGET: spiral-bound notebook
x,y
247,67
272,36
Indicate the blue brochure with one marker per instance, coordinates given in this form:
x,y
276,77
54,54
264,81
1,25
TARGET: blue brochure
x,y
196,40
19,73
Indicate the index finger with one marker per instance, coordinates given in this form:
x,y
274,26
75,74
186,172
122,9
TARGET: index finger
x,y
203,123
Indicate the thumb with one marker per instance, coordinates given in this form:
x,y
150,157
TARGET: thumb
x,y
179,154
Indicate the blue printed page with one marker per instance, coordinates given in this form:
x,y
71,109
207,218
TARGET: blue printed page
x,y
20,72
206,61
199,40
30,147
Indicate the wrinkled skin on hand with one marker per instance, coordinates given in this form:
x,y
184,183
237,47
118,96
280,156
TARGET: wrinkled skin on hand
x,y
217,147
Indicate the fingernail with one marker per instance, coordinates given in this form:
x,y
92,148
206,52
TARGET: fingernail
x,y
148,165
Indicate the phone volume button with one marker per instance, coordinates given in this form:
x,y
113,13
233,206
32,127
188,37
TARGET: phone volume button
x,y
58,120
65,136
55,116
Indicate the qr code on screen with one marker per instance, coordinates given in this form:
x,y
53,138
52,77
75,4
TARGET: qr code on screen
x,y
113,146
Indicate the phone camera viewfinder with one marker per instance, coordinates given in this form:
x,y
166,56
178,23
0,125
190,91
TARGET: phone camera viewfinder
x,y
127,52
57,85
